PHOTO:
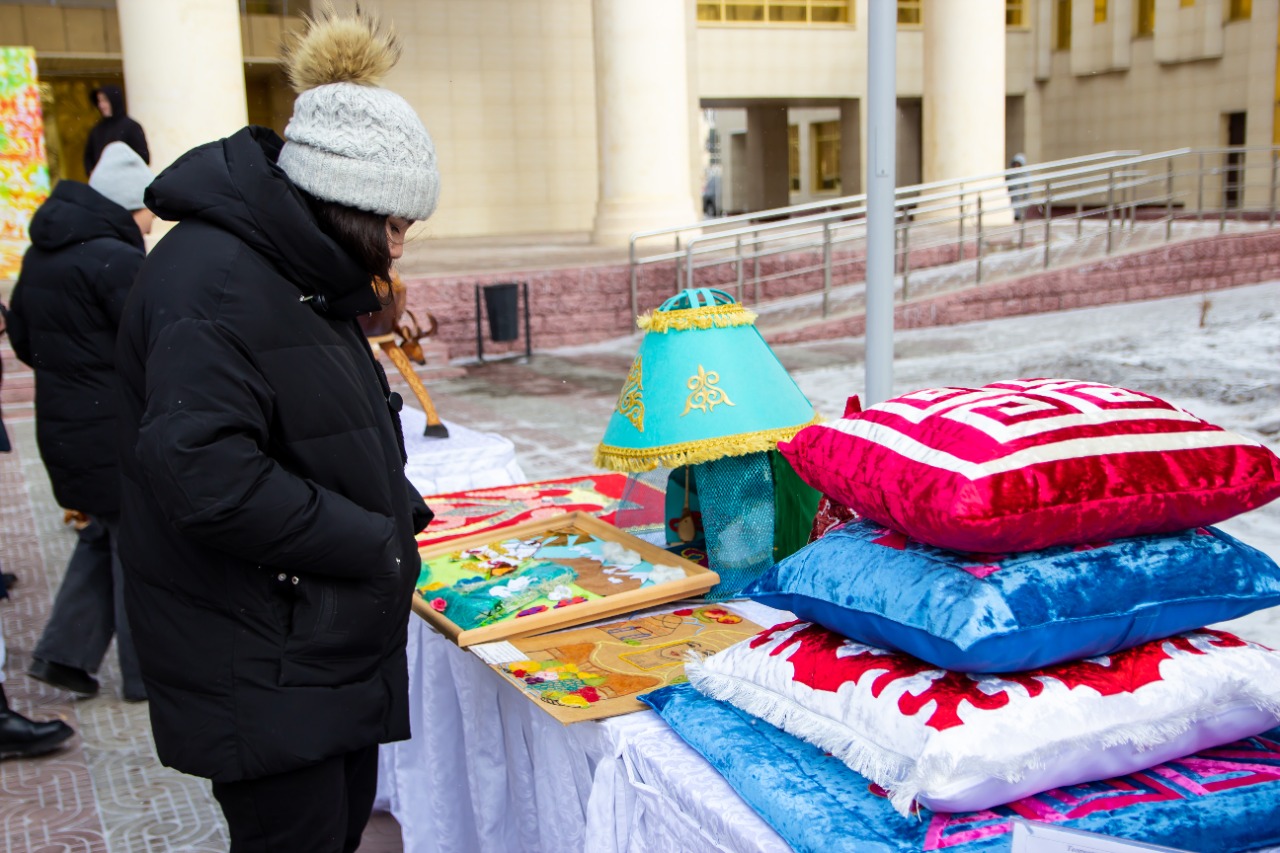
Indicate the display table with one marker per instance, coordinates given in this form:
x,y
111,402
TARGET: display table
x,y
465,460
487,770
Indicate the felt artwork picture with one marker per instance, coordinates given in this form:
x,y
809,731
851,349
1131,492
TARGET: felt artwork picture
x,y
599,671
472,511
530,578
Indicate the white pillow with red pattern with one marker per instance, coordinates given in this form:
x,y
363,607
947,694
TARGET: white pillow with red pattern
x,y
965,741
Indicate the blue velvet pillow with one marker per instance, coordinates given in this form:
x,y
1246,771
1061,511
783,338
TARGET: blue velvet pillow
x,y
1011,612
1225,799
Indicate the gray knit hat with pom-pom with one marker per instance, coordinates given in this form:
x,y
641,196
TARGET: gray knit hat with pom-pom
x,y
350,141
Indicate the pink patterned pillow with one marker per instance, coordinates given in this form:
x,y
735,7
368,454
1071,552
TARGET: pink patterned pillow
x,y
959,742
1032,463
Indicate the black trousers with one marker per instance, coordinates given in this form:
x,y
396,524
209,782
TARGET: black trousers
x,y
322,808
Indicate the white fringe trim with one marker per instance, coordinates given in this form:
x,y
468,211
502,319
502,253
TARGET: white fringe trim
x,y
906,779
886,768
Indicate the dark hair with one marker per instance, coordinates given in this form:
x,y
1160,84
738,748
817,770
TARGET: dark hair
x,y
362,234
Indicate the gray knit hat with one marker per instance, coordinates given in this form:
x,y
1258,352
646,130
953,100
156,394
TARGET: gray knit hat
x,y
122,176
350,141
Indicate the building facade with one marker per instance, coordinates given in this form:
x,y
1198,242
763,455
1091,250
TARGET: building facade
x,y
608,116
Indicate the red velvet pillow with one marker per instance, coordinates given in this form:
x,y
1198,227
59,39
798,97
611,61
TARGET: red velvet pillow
x,y
1032,463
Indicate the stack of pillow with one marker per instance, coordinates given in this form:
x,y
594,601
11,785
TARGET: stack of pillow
x,y
1020,603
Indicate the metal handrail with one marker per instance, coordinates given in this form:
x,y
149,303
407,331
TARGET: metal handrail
x,y
1110,187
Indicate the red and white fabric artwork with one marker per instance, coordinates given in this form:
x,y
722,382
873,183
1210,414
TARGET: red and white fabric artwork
x,y
965,741
1032,463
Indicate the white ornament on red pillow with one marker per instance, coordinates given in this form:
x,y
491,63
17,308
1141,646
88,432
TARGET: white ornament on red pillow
x,y
1032,463
964,742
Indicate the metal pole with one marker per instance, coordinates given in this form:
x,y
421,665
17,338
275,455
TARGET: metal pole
x,y
738,251
960,237
1168,200
978,246
1222,202
826,267
882,35
479,337
634,294
906,255
528,338
755,264
1200,188
678,265
1048,220
1271,214
1111,200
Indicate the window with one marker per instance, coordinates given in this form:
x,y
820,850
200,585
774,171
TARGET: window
x,y
1015,13
1099,11
1144,23
826,155
1240,10
909,12
793,157
274,7
776,11
1062,24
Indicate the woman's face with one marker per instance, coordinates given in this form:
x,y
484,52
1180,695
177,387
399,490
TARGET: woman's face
x,y
104,105
397,227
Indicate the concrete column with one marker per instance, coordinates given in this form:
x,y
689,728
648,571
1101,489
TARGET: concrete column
x,y
642,118
850,146
964,89
183,72
767,177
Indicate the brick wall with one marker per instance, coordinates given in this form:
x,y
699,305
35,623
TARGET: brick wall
x,y
591,304
1194,266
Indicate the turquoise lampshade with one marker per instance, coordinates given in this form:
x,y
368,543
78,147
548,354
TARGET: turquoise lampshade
x,y
703,386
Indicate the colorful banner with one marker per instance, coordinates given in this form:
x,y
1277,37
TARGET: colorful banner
x,y
24,174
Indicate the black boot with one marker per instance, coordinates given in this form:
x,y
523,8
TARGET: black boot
x,y
22,737
67,677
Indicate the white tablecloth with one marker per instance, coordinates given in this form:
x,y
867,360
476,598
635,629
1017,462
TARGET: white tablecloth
x,y
487,770
465,460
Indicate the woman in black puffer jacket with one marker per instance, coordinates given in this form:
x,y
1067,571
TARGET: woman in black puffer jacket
x,y
268,527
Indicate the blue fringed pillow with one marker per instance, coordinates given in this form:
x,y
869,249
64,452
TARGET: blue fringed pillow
x,y
1010,612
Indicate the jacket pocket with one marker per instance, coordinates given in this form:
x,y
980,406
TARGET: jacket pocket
x,y
338,629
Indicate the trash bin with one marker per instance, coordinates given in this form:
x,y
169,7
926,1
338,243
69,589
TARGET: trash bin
x,y
502,304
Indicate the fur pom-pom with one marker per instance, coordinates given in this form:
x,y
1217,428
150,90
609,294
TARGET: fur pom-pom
x,y
336,48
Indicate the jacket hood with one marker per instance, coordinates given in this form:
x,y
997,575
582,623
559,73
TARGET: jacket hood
x,y
234,184
76,213
114,96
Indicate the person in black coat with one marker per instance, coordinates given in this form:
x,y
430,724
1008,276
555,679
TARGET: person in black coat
x,y
268,531
114,126
86,248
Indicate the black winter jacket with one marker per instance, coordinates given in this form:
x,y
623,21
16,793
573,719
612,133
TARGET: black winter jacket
x,y
117,127
63,314
267,531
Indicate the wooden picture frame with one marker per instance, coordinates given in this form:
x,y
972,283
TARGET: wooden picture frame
x,y
578,530
597,671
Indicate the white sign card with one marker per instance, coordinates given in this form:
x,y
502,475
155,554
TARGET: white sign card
x,y
1046,838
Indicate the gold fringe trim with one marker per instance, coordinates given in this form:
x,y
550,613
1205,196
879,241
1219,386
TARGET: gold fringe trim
x,y
706,317
638,460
